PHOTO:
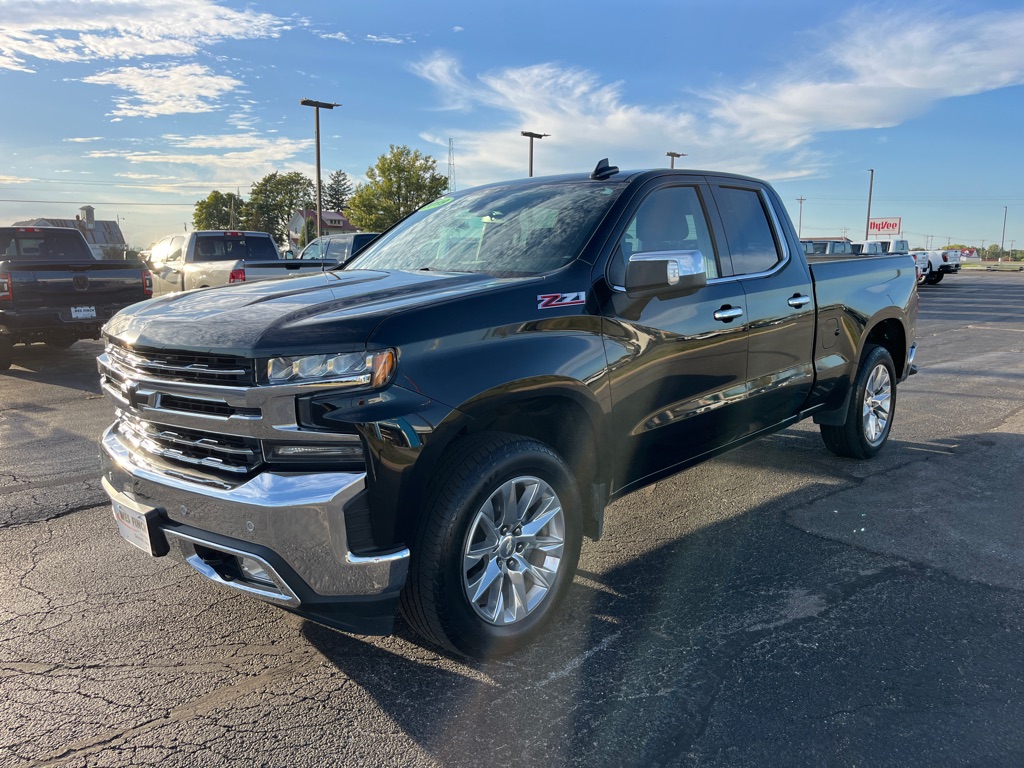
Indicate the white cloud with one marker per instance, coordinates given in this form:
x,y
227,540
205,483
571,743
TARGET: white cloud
x,y
226,161
389,39
56,30
85,139
457,29
335,36
165,90
765,128
14,180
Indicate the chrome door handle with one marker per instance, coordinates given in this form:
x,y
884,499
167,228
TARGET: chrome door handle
x,y
798,301
728,314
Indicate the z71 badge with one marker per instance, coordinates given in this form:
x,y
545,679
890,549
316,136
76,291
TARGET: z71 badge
x,y
554,300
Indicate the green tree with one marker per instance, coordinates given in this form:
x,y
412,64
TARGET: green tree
x,y
400,182
274,199
218,211
308,233
337,191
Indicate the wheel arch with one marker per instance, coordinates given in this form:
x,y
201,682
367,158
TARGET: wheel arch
x,y
564,415
891,334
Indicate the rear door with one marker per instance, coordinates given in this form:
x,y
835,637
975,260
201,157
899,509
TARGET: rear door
x,y
677,365
779,297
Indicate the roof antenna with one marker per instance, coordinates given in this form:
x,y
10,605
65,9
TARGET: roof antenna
x,y
603,171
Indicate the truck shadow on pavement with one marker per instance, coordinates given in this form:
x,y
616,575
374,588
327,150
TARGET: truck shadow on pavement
x,y
73,368
864,622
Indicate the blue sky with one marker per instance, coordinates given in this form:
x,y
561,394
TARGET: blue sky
x,y
142,108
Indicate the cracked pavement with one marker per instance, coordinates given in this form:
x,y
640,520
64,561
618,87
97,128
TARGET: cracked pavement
x,y
776,606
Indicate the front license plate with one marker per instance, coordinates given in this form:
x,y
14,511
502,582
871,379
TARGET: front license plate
x,y
140,527
83,313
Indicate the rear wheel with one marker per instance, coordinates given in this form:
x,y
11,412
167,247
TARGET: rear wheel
x,y
933,276
496,548
870,412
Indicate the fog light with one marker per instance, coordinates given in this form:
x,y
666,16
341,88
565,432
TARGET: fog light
x,y
341,452
253,570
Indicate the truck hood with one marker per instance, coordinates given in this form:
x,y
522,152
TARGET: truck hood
x,y
320,313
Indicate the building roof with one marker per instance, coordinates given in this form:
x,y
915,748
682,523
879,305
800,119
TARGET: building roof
x,y
102,233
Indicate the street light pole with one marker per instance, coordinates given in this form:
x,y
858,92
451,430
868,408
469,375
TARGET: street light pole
x,y
673,156
1003,238
871,187
531,136
317,106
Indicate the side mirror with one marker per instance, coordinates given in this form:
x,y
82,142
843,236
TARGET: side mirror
x,y
665,273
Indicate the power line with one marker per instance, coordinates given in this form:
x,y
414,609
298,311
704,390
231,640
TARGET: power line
x,y
132,203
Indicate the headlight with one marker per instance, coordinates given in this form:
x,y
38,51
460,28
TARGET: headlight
x,y
351,369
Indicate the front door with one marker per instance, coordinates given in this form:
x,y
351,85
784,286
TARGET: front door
x,y
677,365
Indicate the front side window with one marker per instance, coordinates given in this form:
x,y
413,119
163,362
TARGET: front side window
x,y
312,251
748,231
505,231
339,248
669,219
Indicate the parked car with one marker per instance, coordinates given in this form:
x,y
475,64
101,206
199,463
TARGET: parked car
x,y
826,247
52,290
868,248
211,258
937,264
438,424
338,247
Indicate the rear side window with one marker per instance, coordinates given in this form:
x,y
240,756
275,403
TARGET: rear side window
x,y
45,245
748,230
227,248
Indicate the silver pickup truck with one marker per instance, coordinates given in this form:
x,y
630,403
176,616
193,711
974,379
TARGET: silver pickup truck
x,y
210,258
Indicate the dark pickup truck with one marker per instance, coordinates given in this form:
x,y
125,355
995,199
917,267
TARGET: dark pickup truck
x,y
53,290
437,424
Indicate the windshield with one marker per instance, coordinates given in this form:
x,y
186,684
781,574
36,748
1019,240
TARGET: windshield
x,y
503,231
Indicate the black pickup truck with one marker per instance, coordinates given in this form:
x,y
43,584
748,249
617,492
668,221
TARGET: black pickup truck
x,y
53,290
439,422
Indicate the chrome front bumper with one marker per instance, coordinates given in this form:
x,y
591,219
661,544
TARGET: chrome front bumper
x,y
290,525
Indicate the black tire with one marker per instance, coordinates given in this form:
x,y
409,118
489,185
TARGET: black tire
x,y
462,503
864,434
937,277
933,276
6,353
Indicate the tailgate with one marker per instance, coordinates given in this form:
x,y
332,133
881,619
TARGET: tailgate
x,y
97,283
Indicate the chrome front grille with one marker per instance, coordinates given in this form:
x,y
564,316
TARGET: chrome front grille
x,y
226,453
190,367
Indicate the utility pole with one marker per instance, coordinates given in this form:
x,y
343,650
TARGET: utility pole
x,y
871,187
673,156
800,224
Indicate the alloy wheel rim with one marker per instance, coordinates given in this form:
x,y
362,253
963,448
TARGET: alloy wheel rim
x,y
513,550
877,404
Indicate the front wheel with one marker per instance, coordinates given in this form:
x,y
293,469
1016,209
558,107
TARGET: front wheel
x,y
496,547
871,410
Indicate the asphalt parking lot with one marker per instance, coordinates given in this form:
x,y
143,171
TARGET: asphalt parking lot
x,y
776,606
